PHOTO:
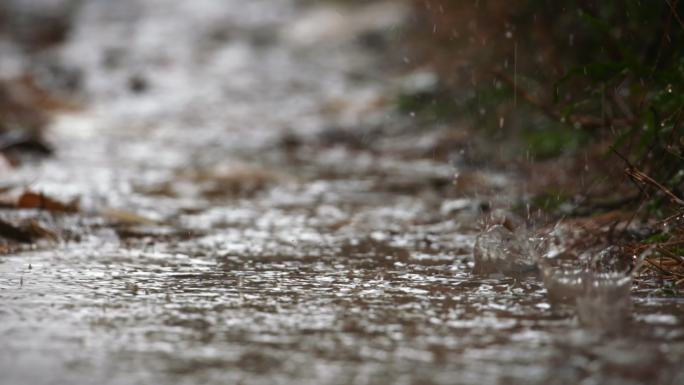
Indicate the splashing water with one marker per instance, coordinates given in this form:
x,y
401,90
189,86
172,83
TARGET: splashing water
x,y
594,285
499,250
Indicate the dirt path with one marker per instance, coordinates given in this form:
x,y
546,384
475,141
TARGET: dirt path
x,y
276,233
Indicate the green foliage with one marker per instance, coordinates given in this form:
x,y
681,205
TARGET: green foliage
x,y
560,73
553,140
627,72
429,106
552,201
657,238
668,290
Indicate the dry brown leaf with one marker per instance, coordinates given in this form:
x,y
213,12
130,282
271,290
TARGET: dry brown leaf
x,y
32,200
36,230
11,232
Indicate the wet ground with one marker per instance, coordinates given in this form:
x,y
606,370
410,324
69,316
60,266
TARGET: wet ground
x,y
253,212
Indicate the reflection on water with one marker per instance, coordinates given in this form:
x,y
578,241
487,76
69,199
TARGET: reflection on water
x,y
273,241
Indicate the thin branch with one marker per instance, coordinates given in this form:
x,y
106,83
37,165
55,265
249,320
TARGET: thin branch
x,y
675,14
585,121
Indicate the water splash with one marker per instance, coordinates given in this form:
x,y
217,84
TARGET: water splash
x,y
499,250
596,285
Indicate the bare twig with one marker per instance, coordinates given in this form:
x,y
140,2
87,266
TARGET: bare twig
x,y
638,176
674,13
585,121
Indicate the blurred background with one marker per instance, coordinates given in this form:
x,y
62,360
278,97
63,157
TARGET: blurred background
x,y
578,86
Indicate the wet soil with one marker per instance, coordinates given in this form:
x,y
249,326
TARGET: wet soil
x,y
253,211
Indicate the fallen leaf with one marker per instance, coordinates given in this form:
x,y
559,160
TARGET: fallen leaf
x,y
9,231
126,216
31,200
36,230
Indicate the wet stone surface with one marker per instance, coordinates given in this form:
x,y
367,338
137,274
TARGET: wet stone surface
x,y
247,218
